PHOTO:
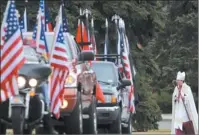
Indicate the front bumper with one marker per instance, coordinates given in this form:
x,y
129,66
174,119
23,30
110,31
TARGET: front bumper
x,y
106,115
70,99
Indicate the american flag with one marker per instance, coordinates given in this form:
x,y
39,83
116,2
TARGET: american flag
x,y
23,22
4,26
42,10
43,47
49,27
12,58
65,22
58,62
39,37
127,68
34,32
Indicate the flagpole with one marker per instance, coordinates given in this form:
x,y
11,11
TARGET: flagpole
x,y
115,18
38,29
25,12
80,21
106,40
92,32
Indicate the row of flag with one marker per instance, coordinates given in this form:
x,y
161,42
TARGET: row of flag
x,y
12,50
12,57
123,63
46,20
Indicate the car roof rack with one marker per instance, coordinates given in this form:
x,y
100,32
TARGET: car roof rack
x,y
109,57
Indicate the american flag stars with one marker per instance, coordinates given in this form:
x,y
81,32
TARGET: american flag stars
x,y
12,23
60,37
34,32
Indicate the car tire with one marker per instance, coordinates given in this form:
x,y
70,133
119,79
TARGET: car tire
x,y
116,126
74,123
128,129
90,124
2,128
27,131
18,119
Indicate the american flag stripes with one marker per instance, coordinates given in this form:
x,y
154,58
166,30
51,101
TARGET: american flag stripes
x,y
43,47
39,37
12,57
58,62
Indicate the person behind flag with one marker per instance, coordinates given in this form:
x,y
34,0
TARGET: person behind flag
x,y
12,57
184,113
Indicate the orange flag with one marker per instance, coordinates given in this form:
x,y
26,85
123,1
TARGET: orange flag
x,y
85,37
78,33
99,93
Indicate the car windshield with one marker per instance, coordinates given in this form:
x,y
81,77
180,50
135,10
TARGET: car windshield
x,y
105,72
30,55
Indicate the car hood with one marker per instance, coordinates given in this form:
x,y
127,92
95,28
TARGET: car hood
x,y
108,89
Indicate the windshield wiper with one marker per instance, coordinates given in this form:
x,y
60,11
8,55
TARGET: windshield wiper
x,y
105,82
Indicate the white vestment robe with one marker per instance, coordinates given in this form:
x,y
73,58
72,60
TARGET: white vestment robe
x,y
179,114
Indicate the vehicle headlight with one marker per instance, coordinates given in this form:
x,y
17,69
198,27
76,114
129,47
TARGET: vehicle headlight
x,y
33,82
110,99
21,82
70,80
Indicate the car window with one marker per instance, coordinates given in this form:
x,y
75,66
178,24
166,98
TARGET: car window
x,y
105,72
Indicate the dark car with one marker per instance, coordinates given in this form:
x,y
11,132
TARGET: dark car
x,y
109,113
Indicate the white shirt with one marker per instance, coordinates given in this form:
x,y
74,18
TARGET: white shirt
x,y
180,114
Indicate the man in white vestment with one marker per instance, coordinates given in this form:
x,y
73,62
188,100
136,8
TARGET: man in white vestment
x,y
183,108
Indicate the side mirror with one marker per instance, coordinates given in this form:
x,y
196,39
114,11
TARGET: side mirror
x,y
86,56
125,83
